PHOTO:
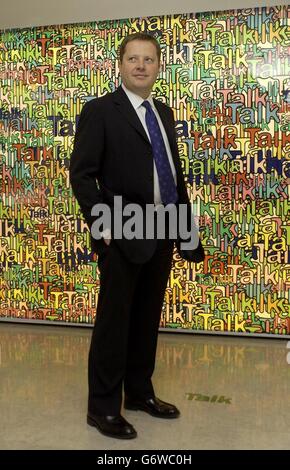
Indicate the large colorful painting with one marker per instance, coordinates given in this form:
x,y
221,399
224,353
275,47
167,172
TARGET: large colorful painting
x,y
226,75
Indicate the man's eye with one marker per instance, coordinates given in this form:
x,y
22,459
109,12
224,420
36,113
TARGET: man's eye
x,y
149,60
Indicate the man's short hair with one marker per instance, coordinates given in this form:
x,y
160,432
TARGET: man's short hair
x,y
139,37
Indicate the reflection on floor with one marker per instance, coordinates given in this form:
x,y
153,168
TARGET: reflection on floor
x,y
233,393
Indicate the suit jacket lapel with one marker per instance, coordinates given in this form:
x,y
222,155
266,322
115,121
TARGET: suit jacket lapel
x,y
125,107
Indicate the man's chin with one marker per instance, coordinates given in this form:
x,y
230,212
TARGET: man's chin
x,y
142,84
141,90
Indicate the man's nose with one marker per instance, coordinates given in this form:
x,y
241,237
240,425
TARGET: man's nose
x,y
141,64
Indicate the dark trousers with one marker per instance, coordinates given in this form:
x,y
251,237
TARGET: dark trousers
x,y
124,339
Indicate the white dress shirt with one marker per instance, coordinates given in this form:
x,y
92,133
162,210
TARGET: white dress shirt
x,y
136,102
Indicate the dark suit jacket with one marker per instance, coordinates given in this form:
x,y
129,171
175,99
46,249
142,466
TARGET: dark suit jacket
x,y
111,146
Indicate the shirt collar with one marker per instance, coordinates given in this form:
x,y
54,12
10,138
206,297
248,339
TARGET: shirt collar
x,y
136,100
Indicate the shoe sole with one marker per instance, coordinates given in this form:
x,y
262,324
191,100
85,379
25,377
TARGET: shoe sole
x,y
139,408
93,423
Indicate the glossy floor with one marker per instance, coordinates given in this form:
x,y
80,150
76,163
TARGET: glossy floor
x,y
233,392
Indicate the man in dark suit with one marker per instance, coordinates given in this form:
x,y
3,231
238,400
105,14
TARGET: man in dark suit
x,y
125,146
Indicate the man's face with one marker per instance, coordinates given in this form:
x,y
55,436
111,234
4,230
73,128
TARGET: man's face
x,y
139,67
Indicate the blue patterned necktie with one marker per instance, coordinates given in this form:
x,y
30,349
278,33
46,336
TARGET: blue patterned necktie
x,y
167,185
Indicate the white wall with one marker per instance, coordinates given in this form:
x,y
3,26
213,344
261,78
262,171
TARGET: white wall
x,y
22,13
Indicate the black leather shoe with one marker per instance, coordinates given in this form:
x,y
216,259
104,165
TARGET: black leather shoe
x,y
112,426
153,406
